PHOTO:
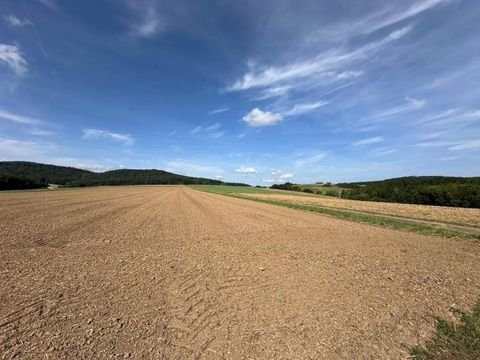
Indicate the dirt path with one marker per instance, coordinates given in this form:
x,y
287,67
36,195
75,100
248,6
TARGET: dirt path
x,y
170,272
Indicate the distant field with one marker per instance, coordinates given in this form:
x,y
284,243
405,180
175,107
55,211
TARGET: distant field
x,y
363,211
460,216
321,188
226,189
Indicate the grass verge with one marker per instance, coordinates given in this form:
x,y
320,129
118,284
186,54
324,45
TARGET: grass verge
x,y
397,224
453,340
227,189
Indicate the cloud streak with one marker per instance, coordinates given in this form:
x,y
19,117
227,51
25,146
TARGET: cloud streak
x,y
324,64
12,20
19,119
11,56
369,141
97,134
219,111
148,21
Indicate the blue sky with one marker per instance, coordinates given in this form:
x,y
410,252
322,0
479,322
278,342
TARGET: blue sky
x,y
251,91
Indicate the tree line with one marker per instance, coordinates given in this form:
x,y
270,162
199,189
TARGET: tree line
x,y
424,190
73,177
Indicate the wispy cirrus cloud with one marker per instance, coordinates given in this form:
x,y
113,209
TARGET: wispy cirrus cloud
x,y
325,65
310,159
299,109
369,141
14,21
390,15
411,104
51,4
19,119
147,19
219,111
30,125
15,149
467,145
213,130
382,151
451,116
11,56
98,134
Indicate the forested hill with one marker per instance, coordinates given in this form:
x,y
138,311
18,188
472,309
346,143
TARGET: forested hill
x,y
72,177
426,190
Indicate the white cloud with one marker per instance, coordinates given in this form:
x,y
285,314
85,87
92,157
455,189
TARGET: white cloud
x,y
300,109
91,134
16,22
257,117
278,176
218,111
368,141
246,170
11,56
467,145
219,177
148,22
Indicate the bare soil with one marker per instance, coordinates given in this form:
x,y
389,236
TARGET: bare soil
x,y
442,214
171,272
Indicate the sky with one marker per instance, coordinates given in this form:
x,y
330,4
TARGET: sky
x,y
259,92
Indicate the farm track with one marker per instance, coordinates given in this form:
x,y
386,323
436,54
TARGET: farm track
x,y
174,273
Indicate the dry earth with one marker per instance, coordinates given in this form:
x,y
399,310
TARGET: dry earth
x,y
170,272
443,214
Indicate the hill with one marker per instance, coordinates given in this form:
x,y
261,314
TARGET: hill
x,y
10,182
72,177
426,190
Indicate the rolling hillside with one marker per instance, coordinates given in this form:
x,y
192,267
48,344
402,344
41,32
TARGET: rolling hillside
x,y
72,177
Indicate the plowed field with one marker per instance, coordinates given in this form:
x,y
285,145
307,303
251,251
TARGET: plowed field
x,y
171,272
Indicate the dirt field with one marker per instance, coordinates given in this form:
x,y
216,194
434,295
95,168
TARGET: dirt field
x,y
171,272
444,214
